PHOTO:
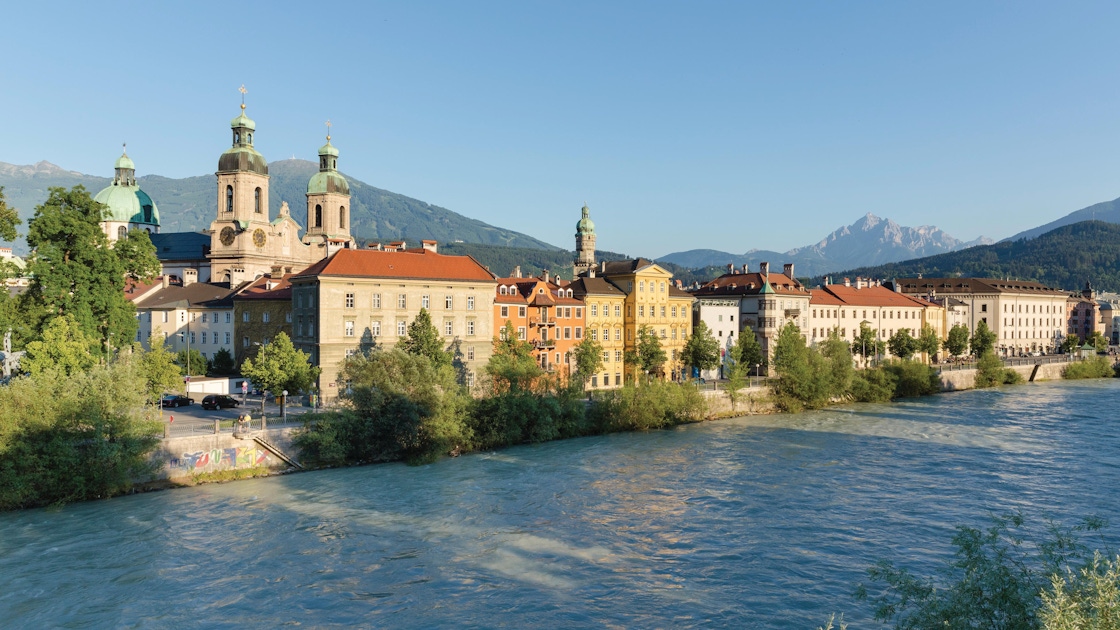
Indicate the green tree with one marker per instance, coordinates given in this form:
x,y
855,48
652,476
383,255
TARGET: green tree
x,y
77,273
1088,598
802,379
512,366
928,342
63,347
867,342
957,341
1071,343
838,354
648,356
701,351
137,255
9,219
159,369
991,372
191,362
983,339
222,362
280,367
746,351
588,356
1097,340
423,339
902,344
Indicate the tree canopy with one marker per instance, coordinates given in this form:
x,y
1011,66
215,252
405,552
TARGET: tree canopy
x,y
957,341
902,344
512,365
588,357
279,366
423,339
983,339
701,351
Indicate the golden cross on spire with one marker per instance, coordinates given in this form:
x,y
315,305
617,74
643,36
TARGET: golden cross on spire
x,y
328,130
124,148
243,93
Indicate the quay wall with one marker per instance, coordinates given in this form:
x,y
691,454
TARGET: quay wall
x,y
182,457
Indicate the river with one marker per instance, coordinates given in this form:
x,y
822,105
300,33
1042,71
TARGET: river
x,y
758,522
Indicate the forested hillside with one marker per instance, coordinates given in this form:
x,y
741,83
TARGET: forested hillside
x,y
1064,258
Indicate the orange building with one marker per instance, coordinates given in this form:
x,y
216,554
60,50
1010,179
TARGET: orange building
x,y
545,314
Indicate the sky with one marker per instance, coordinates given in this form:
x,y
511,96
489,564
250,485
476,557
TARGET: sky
x,y
683,125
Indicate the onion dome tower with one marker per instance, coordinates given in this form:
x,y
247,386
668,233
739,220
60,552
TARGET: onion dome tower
x,y
585,245
328,201
242,176
127,207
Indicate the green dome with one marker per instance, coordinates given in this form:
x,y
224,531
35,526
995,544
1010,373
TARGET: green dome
x,y
585,225
328,149
243,121
124,162
328,182
242,158
128,204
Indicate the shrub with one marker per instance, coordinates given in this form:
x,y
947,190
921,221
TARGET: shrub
x,y
873,385
913,378
1095,367
990,372
653,406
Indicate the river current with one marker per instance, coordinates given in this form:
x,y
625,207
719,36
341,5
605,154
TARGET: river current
x,y
756,522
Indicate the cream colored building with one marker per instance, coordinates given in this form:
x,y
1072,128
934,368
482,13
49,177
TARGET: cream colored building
x,y
360,299
845,307
1026,316
187,316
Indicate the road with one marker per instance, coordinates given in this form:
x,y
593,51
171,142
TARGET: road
x,y
196,415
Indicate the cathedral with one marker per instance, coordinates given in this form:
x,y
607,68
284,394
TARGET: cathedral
x,y
243,241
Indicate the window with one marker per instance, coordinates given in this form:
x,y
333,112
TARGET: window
x,y
227,317
229,198
349,327
579,312
521,311
618,356
606,356
641,286
165,317
192,337
257,201
662,287
204,338
579,332
311,326
470,327
204,318
674,311
642,311
594,334
470,302
470,379
983,308
521,333
227,338
594,310
447,302
400,301
401,327
182,336
318,216
617,310
299,330
288,317
663,313
425,302
618,334
349,300
245,316
375,329
470,353
245,342
264,317
342,217
567,332
505,311
376,300
594,380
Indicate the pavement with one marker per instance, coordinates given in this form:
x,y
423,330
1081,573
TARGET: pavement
x,y
196,415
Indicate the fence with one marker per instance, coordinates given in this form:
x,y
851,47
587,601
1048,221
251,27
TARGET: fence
x,y
185,428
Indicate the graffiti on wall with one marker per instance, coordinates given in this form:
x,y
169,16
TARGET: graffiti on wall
x,y
235,457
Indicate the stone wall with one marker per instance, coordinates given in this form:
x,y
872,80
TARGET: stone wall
x,y
187,456
952,380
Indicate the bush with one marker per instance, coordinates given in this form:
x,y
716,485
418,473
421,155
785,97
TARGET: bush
x,y
873,385
653,406
78,437
1095,367
990,372
913,378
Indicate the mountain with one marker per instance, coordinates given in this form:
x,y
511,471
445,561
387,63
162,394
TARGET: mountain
x,y
1108,211
190,204
869,241
1065,258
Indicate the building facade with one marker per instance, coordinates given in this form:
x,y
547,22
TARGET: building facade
x,y
356,300
604,324
844,308
261,310
545,314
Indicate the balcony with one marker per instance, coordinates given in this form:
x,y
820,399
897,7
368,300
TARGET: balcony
x,y
541,321
793,312
545,344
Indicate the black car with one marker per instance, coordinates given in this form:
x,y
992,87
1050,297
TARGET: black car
x,y
175,400
219,401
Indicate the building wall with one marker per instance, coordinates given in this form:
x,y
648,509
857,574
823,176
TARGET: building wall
x,y
721,316
207,330
605,323
257,322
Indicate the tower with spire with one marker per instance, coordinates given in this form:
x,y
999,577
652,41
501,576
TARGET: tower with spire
x,y
584,263
328,203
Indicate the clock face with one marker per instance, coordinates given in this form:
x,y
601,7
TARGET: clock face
x,y
258,237
227,235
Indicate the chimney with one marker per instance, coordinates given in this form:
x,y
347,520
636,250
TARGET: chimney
x,y
166,280
544,275
603,268
730,268
847,282
517,271
788,270
764,268
190,276
430,246
746,268
859,282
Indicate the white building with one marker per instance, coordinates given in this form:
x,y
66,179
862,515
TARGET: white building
x,y
191,315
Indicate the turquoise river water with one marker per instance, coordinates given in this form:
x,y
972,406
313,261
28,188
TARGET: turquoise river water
x,y
759,522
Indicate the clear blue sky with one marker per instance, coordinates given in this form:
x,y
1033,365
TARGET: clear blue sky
x,y
715,125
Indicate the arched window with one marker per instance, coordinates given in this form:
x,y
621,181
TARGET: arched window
x,y
342,217
250,138
229,198
318,216
257,201
122,232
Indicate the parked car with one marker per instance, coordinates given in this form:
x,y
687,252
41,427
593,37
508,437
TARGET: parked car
x,y
219,401
175,400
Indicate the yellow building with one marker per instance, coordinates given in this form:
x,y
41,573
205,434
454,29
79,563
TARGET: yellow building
x,y
652,300
604,323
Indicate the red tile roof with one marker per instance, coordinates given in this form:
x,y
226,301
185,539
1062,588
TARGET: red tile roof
x,y
418,264
879,296
750,284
